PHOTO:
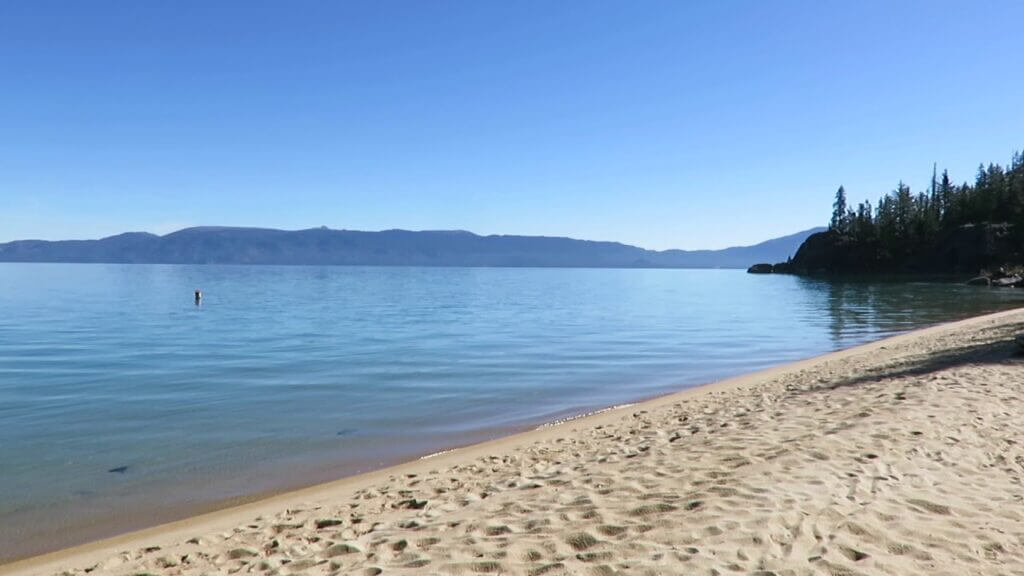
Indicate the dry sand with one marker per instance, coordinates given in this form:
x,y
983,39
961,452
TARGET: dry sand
x,y
900,457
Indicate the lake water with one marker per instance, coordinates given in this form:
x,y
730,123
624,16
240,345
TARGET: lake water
x,y
122,404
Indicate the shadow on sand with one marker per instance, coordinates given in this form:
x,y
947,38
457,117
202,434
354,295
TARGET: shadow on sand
x,y
994,345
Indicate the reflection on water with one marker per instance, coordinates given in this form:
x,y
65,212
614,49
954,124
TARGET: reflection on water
x,y
289,375
857,307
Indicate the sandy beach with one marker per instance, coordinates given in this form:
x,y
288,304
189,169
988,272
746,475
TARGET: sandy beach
x,y
904,456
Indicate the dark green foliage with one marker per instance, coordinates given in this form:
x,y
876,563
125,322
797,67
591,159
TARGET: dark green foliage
x,y
927,231
840,219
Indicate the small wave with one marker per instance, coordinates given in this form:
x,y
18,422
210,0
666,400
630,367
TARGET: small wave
x,y
584,415
432,454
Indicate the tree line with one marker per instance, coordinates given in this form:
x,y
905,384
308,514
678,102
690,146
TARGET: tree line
x,y
904,226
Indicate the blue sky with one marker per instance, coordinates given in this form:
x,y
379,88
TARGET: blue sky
x,y
662,124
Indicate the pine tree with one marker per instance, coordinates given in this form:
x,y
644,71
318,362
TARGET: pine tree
x,y
839,215
947,198
904,210
1000,196
905,231
863,223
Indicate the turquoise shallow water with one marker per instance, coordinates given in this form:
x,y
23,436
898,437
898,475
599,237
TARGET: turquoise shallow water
x,y
287,376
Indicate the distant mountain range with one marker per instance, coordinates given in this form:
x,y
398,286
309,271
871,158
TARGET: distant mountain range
x,y
222,245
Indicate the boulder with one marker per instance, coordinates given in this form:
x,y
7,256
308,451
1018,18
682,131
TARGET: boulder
x,y
761,269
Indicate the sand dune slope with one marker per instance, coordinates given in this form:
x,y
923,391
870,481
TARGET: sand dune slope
x,y
902,458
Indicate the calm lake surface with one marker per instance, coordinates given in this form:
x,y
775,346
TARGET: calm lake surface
x,y
122,404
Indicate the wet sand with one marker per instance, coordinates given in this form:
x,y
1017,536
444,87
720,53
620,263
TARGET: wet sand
x,y
899,457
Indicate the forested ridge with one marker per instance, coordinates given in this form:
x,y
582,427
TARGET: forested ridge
x,y
947,228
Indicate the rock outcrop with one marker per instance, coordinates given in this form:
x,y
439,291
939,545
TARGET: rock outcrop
x,y
964,250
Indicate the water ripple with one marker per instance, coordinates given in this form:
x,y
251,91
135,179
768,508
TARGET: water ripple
x,y
109,366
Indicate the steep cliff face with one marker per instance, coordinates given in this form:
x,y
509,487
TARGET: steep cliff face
x,y
963,250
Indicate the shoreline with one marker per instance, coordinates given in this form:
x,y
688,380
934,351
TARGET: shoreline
x,y
344,489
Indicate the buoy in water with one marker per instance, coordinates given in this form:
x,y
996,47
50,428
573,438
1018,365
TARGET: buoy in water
x,y
199,297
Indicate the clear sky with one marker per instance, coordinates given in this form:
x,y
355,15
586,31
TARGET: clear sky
x,y
662,124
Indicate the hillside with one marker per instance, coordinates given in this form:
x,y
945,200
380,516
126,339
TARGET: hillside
x,y
965,229
223,245
967,250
